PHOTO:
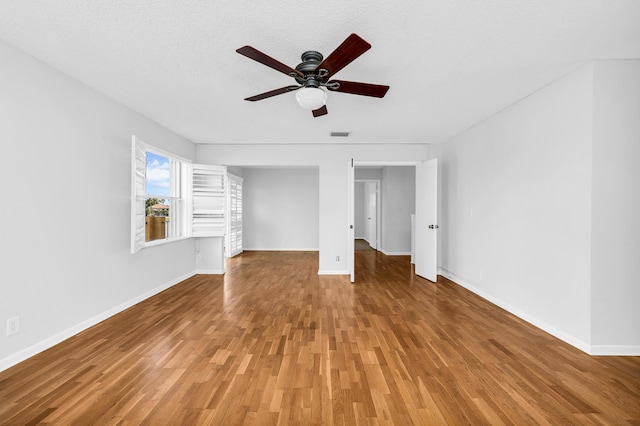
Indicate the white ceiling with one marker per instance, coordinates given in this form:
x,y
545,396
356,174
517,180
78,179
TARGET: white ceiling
x,y
450,64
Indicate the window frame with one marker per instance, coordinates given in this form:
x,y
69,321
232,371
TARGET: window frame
x,y
179,198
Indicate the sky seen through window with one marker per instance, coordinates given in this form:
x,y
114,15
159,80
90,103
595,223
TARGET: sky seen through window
x,y
158,175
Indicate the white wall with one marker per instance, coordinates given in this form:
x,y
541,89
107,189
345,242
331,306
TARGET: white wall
x,y
280,208
332,161
209,253
398,204
360,218
615,256
540,208
516,208
362,200
368,173
65,218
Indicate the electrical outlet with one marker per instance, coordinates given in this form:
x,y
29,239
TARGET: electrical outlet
x,y
13,325
337,258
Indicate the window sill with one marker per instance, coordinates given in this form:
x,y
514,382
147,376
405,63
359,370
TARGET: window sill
x,y
160,242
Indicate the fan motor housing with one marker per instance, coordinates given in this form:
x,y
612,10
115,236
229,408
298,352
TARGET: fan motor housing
x,y
310,61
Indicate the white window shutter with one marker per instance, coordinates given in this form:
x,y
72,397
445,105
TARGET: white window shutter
x,y
209,200
234,221
138,215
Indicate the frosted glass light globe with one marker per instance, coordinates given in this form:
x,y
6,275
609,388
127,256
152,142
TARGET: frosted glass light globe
x,y
311,98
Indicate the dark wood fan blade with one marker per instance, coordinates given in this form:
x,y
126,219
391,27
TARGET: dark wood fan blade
x,y
364,89
271,93
267,60
346,53
320,111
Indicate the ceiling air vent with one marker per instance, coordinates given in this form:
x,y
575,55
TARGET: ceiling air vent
x,y
340,134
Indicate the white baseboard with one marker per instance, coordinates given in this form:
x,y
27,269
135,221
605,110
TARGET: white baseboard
x,y
395,253
615,350
328,272
47,343
542,325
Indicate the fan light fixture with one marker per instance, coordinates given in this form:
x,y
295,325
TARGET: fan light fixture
x,y
311,98
314,75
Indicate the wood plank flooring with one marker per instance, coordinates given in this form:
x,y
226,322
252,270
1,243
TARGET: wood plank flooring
x,y
273,343
360,244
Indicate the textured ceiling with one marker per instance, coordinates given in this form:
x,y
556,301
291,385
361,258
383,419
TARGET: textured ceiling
x,y
450,64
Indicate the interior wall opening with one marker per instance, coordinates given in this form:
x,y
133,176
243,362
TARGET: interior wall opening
x,y
280,207
392,189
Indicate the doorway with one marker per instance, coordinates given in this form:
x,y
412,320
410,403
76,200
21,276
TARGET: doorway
x,y
367,211
425,208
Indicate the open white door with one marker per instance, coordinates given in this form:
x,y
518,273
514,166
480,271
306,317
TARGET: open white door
x,y
426,220
351,182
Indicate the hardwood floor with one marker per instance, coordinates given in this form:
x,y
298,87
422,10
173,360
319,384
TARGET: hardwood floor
x,y
360,244
271,342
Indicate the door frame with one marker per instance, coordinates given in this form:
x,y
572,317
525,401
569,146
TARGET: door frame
x,y
350,193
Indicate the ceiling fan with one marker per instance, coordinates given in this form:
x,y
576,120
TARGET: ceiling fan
x,y
315,72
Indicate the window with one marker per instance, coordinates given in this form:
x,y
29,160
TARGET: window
x,y
159,196
172,199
